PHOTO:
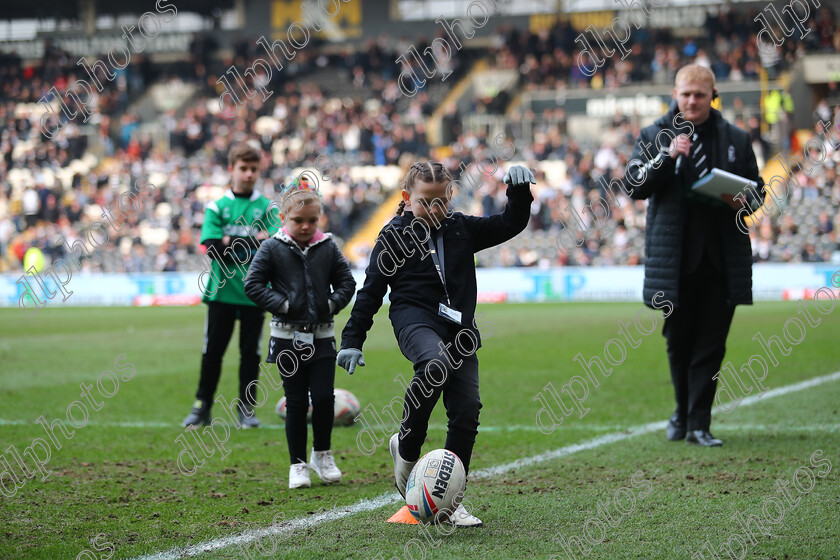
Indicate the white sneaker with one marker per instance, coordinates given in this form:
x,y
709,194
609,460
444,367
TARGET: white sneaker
x,y
323,463
402,468
299,476
462,518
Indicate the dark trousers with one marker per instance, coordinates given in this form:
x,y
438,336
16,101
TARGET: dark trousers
x,y
218,328
439,370
696,334
311,372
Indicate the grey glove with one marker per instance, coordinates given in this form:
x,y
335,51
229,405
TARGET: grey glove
x,y
348,358
519,175
284,307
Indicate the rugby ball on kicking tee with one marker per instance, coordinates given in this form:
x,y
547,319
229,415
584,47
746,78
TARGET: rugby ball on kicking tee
x,y
346,408
435,486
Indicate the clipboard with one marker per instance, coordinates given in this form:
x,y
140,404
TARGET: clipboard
x,y
719,182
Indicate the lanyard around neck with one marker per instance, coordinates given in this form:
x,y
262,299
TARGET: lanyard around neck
x,y
437,258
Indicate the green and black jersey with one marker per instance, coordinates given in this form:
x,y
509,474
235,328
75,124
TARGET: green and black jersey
x,y
236,216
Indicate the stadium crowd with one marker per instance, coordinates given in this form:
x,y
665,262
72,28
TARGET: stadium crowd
x,y
346,105
548,59
806,231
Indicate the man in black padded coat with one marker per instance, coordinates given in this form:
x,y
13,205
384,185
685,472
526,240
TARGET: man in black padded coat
x,y
698,263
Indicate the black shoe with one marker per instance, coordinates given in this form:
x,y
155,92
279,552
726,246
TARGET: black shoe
x,y
676,429
702,437
199,415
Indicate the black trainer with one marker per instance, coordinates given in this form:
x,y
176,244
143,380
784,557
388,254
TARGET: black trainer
x,y
248,418
199,415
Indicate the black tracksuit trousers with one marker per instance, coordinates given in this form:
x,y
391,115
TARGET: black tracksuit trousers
x,y
218,329
448,368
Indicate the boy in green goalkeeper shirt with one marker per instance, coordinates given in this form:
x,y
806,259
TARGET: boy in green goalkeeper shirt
x,y
234,226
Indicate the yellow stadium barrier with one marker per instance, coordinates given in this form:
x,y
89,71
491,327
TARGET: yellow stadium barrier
x,y
366,236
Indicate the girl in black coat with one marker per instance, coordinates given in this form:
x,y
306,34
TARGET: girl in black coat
x,y
301,277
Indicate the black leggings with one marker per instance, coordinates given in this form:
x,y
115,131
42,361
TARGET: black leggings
x,y
305,372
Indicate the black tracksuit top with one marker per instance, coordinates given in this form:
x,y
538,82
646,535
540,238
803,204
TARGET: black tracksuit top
x,y
416,289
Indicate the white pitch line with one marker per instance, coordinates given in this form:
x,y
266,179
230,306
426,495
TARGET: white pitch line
x,y
139,425
433,426
779,428
644,429
570,449
385,499
370,504
582,427
4,422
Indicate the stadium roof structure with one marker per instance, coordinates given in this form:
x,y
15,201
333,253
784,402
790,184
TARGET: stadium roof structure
x,y
71,9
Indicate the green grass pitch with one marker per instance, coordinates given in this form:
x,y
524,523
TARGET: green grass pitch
x,y
117,478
